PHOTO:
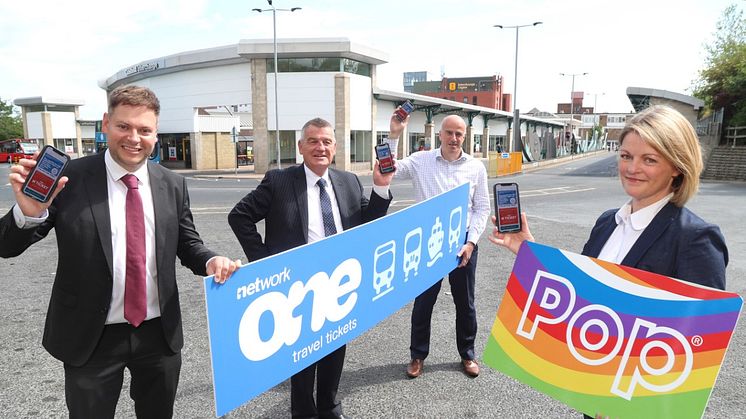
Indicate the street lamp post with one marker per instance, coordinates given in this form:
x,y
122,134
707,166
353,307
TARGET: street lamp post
x,y
596,121
572,110
274,11
516,138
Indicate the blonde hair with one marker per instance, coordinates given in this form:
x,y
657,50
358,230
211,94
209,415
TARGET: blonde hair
x,y
670,134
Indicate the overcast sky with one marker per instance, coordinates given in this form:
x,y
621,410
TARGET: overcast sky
x,y
62,49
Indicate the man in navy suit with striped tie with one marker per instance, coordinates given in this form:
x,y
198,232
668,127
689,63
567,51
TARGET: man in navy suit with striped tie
x,y
300,205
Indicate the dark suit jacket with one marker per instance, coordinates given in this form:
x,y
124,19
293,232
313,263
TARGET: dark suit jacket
x,y
281,201
81,294
677,243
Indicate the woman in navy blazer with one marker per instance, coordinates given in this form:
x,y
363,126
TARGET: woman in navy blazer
x,y
659,166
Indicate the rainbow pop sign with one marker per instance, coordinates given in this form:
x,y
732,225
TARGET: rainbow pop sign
x,y
605,338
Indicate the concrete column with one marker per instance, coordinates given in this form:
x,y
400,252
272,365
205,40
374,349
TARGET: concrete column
x,y
25,122
78,135
373,114
429,135
485,140
200,153
225,150
259,114
402,149
342,120
46,129
469,140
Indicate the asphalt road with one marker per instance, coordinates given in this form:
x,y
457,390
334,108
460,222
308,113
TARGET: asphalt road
x,y
562,203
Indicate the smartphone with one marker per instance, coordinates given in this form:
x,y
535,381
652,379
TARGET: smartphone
x,y
404,110
385,159
507,207
42,181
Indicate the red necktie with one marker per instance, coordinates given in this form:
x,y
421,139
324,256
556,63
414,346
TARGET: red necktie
x,y
135,305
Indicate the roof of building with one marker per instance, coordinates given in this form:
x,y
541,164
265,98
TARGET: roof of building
x,y
47,100
442,106
640,97
242,52
311,47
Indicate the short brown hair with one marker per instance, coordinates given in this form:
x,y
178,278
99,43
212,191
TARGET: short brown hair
x,y
134,96
671,135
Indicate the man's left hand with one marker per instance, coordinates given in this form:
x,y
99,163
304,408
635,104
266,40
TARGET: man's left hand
x,y
465,254
222,268
382,179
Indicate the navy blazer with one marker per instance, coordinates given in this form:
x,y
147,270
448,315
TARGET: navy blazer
x,y
81,294
281,200
677,243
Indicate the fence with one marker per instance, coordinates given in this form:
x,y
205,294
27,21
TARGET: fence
x,y
502,164
736,136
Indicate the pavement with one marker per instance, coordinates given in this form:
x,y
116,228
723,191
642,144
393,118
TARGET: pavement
x,y
247,172
562,200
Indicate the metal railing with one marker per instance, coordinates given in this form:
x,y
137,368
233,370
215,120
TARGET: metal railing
x,y
735,136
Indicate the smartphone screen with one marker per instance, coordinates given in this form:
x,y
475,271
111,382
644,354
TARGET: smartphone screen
x,y
43,178
507,207
404,110
385,159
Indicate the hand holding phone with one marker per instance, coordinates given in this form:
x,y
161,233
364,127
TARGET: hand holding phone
x,y
507,208
404,110
385,159
42,180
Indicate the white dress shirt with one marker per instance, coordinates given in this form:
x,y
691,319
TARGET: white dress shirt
x,y
315,222
117,193
117,217
431,175
630,226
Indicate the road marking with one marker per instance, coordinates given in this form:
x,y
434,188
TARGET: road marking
x,y
553,191
211,210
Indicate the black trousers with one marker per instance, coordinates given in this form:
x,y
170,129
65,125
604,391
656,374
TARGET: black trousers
x,y
92,390
462,289
325,373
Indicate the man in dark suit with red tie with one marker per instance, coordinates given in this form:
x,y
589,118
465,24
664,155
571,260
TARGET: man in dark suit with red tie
x,y
120,223
300,205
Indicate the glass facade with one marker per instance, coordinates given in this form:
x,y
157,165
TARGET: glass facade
x,y
328,64
361,146
68,145
497,143
176,150
288,147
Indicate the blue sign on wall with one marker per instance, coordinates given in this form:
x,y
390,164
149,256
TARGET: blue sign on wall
x,y
276,316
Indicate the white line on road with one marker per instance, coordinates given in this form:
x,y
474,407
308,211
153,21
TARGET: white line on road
x,y
553,191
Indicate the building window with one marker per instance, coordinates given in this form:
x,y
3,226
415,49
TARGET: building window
x,y
287,147
322,64
497,143
466,99
417,142
360,146
474,100
477,143
66,144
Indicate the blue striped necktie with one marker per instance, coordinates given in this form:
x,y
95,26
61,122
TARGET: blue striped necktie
x,y
326,209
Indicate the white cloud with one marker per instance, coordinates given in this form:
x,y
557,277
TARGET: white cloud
x,y
62,49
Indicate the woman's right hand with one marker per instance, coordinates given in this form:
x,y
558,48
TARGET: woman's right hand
x,y
512,241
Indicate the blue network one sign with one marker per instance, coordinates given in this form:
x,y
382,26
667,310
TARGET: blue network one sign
x,y
276,316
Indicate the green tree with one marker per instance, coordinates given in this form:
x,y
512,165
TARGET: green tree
x,y
10,122
722,83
